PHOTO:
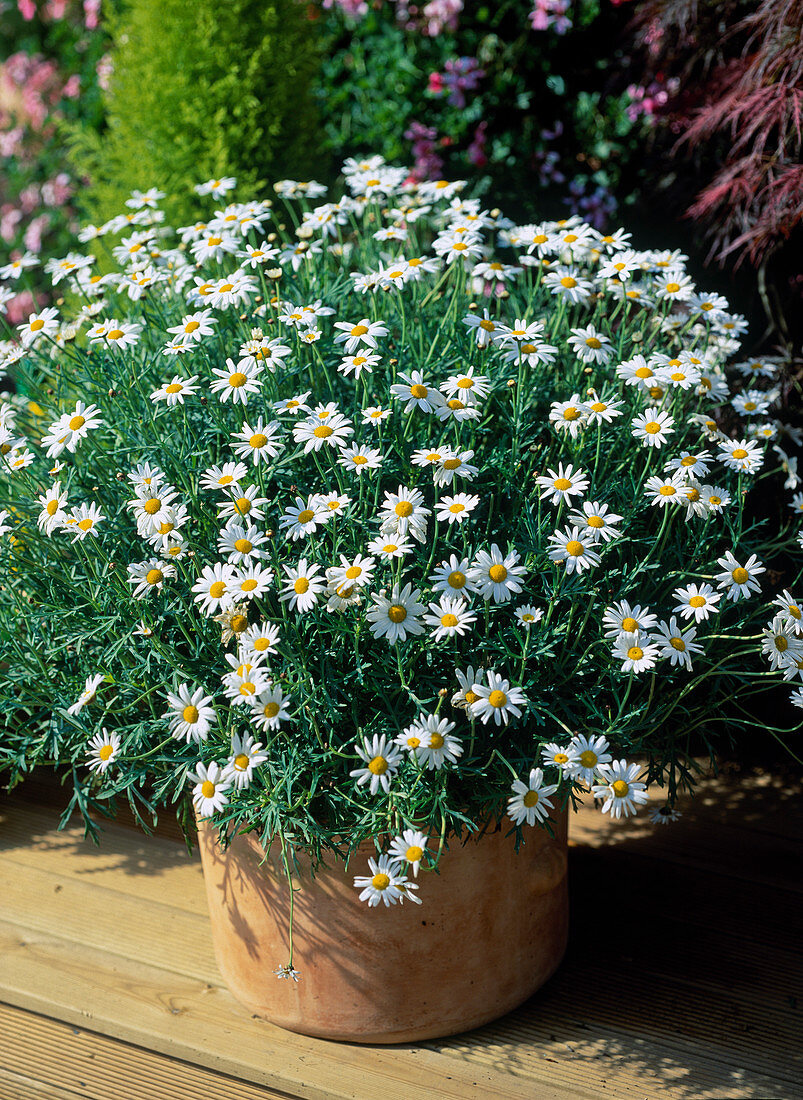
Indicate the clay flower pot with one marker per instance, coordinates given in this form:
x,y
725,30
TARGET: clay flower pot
x,y
492,928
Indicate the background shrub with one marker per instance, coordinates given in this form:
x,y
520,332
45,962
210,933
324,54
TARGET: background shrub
x,y
201,90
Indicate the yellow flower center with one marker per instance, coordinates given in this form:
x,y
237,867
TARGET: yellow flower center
x,y
643,372
568,282
456,508
380,881
740,452
86,524
174,387
715,501
154,576
378,766
238,623
781,643
306,515
76,422
652,427
667,490
418,391
465,383
207,788
449,620
404,508
191,326
740,575
678,644
224,288
488,326
593,342
598,406
323,431
595,521
241,762
397,613
697,601
105,752
571,413
620,788
359,330
436,741
635,653
413,853
248,585
190,714
243,546
456,579
216,589
562,484
413,742
497,699
353,572
574,548
471,697
497,573
270,710
257,440
243,505
37,324
672,288
588,759
560,758
52,507
359,460
358,360
237,379
530,799
114,334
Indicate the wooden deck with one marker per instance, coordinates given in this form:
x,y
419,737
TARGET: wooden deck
x,y
682,980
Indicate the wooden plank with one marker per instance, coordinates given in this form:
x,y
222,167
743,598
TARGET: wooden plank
x,y
43,1058
131,862
203,1024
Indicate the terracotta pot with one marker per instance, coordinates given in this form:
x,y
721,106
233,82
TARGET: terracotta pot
x,y
491,929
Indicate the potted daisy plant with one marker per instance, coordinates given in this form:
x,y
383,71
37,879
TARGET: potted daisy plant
x,y
374,532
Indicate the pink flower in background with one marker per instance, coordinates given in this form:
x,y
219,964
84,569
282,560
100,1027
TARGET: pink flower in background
x,y
104,70
56,191
435,84
55,9
356,9
11,141
29,198
27,9
72,88
34,232
441,15
20,307
476,151
10,217
91,14
551,15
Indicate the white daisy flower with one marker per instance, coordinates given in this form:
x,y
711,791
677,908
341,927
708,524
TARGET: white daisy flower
x,y
456,509
575,549
269,708
246,504
360,460
246,754
742,455
258,641
385,883
396,617
450,617
596,521
653,427
497,576
497,700
260,442
620,789
696,601
364,332
302,586
589,753
739,580
559,756
228,476
212,588
531,802
438,747
416,392
381,762
589,345
174,391
314,434
635,654
190,716
568,416
240,543
676,643
149,576
453,577
236,382
88,694
409,848
386,548
562,484
210,793
303,518
527,615
103,750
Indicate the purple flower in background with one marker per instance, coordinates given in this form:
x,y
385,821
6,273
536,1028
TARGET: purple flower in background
x,y
476,151
595,204
551,15
428,164
461,75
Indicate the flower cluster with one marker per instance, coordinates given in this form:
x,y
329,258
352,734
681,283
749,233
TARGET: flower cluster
x,y
305,524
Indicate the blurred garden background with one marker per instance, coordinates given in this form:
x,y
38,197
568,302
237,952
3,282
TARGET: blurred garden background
x,y
679,119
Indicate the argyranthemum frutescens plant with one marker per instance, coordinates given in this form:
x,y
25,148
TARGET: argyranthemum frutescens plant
x,y
350,528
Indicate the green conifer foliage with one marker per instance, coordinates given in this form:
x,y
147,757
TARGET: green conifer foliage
x,y
202,89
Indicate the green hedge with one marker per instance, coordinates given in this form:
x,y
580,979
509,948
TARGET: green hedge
x,y
201,89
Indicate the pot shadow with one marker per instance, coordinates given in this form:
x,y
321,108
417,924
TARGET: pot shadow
x,y
682,972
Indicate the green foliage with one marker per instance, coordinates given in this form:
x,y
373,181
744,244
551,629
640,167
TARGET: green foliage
x,y
201,90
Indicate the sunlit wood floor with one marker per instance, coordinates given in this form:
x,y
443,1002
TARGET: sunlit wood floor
x,y
683,977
